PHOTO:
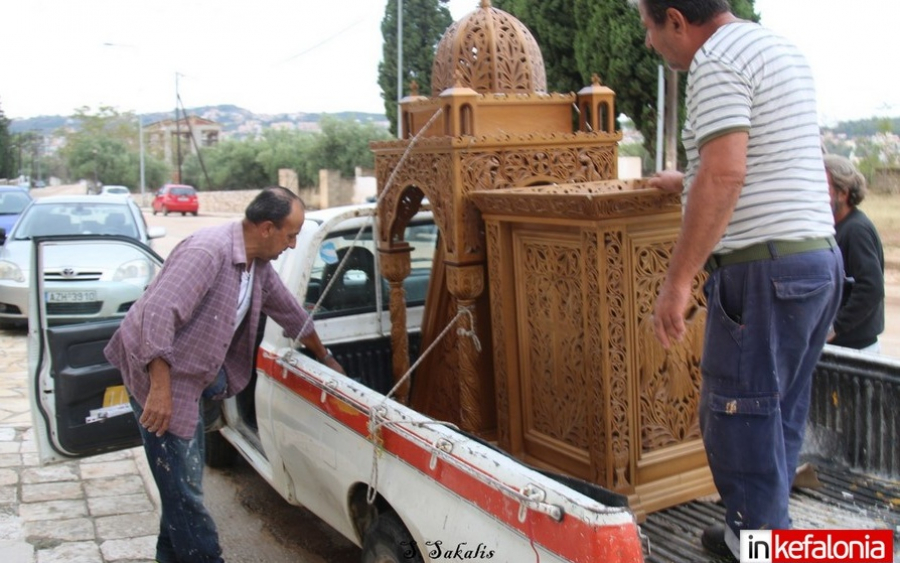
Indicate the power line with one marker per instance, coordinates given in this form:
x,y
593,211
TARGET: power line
x,y
324,41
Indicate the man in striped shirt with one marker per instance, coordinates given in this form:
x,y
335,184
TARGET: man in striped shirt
x,y
757,216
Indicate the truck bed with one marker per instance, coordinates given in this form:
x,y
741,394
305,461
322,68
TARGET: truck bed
x,y
852,442
847,499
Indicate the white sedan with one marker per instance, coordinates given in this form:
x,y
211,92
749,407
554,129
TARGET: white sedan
x,y
82,282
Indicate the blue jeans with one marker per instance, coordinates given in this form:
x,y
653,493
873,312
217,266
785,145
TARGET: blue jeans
x,y
766,325
187,532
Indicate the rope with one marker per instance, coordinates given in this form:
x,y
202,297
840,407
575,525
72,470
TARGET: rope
x,y
463,311
375,424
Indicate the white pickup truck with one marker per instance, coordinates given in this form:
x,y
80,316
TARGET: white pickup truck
x,y
399,484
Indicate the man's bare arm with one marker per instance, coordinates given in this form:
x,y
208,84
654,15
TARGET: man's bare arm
x,y
710,204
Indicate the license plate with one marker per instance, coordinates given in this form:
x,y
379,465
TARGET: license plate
x,y
182,198
71,296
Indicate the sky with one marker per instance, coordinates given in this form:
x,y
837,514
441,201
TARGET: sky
x,y
283,56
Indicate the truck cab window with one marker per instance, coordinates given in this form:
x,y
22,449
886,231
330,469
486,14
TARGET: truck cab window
x,y
349,265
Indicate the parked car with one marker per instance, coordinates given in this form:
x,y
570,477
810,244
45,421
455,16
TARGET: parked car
x,y
114,190
82,282
13,200
177,198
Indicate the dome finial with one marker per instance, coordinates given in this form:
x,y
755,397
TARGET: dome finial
x,y
492,51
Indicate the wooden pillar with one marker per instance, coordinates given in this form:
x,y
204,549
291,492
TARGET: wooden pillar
x,y
466,284
395,267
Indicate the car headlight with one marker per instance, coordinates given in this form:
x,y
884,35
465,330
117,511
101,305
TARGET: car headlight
x,y
11,272
136,272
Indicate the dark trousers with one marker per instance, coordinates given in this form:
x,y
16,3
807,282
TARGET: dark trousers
x,y
766,326
187,533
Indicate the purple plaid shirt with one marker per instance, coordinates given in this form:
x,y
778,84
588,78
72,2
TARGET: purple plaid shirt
x,y
187,318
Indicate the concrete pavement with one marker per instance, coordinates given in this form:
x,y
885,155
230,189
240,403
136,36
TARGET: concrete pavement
x,y
97,510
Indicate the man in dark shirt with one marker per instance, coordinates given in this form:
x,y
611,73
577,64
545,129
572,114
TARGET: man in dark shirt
x,y
860,319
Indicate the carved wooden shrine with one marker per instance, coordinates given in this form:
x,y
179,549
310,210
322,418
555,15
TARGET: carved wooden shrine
x,y
550,262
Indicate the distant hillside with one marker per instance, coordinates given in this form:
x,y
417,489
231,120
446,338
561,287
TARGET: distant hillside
x,y
236,122
868,127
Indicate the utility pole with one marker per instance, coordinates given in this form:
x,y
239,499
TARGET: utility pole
x,y
177,132
399,67
141,148
672,119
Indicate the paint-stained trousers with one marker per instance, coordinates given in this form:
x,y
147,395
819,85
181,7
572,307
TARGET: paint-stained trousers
x,y
766,326
187,532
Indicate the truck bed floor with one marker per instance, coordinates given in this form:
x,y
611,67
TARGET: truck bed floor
x,y
846,500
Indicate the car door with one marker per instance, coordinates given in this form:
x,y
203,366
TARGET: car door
x,y
78,404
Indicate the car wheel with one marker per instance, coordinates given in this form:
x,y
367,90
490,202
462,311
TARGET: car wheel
x,y
194,213
183,213
154,211
388,541
165,211
219,452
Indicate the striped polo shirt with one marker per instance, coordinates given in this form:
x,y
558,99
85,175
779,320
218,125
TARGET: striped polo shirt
x,y
746,78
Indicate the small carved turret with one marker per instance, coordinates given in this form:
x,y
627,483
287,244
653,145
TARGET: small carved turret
x,y
597,106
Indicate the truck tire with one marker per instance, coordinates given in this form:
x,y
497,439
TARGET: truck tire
x,y
219,453
388,541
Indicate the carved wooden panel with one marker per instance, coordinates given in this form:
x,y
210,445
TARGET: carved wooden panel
x,y
556,390
583,386
667,397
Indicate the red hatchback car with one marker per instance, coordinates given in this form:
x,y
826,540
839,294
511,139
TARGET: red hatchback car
x,y
176,198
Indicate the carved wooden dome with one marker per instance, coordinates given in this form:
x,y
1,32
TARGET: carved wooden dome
x,y
489,51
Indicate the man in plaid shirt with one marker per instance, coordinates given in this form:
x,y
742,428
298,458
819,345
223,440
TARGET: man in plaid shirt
x,y
192,334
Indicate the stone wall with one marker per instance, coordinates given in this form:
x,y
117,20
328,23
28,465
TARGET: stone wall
x,y
333,190
233,201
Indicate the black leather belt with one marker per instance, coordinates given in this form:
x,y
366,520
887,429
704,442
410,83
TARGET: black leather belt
x,y
768,250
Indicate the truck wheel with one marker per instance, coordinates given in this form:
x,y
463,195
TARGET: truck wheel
x,y
219,453
388,541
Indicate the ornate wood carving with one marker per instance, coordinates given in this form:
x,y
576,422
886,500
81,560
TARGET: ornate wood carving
x,y
500,337
552,302
465,282
575,259
600,392
616,346
586,389
668,398
489,51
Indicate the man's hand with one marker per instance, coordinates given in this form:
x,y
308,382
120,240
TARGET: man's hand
x,y
669,181
157,410
668,315
333,364
158,407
